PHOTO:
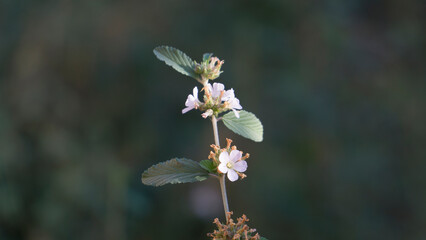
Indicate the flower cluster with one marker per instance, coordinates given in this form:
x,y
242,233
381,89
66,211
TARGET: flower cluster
x,y
216,100
239,230
229,161
209,68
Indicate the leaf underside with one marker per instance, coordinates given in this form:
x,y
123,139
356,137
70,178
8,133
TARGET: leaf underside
x,y
176,170
177,60
248,125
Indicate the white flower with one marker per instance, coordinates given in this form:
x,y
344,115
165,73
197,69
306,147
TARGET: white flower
x,y
216,89
192,101
231,164
234,104
228,94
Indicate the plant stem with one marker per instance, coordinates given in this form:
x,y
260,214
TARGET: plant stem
x,y
215,132
221,178
224,197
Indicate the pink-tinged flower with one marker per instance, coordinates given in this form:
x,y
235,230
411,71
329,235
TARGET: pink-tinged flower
x,y
232,164
192,101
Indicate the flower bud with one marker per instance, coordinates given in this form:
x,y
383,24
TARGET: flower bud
x,y
198,69
207,113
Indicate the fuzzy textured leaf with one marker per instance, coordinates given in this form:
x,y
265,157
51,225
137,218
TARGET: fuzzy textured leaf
x,y
177,60
208,165
176,170
248,125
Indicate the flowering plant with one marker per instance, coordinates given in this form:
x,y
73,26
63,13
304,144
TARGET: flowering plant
x,y
217,104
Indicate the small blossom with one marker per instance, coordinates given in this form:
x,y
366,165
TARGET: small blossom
x,y
192,101
232,164
207,113
234,104
216,100
228,97
216,89
228,94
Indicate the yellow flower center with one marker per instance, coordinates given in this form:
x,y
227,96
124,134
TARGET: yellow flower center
x,y
229,165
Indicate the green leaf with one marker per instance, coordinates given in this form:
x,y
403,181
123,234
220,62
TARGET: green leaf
x,y
176,170
262,238
248,125
208,165
177,60
206,56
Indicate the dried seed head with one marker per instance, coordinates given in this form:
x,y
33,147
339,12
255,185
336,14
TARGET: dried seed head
x,y
228,143
242,175
211,155
232,230
216,148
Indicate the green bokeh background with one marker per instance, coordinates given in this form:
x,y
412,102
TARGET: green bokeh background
x,y
85,107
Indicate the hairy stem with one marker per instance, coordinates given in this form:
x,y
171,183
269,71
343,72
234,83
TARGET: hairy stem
x,y
221,178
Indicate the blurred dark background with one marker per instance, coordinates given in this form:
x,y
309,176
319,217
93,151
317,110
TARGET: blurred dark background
x,y
85,107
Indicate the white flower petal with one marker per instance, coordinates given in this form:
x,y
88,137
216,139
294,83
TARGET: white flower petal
x,y
185,110
222,168
235,103
235,155
189,99
217,89
232,175
229,94
195,92
240,166
209,87
224,157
